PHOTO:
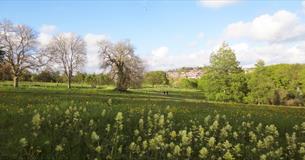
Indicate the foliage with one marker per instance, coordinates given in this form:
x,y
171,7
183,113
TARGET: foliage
x,y
186,83
156,78
260,93
224,79
47,75
280,84
99,79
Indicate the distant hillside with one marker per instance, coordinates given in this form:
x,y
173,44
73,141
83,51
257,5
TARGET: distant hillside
x,y
185,72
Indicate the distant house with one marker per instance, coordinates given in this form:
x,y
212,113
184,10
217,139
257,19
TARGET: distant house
x,y
185,72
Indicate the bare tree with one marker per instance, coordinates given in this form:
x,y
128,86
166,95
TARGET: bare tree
x,y
125,67
20,47
68,51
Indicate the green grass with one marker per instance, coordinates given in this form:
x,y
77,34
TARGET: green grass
x,y
18,106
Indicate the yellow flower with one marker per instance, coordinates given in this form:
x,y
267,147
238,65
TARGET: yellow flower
x,y
119,116
132,146
59,148
91,122
228,156
263,157
145,145
109,102
36,120
211,142
302,150
23,142
214,126
173,134
203,153
103,113
189,151
94,136
136,132
177,150
141,124
98,149
161,121
170,115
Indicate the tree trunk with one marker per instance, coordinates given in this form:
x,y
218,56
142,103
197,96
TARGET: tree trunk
x,y
121,86
69,82
16,81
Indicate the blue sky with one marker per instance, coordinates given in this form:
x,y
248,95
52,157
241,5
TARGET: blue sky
x,y
170,34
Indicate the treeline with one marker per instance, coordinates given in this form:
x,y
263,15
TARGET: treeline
x,y
281,84
160,78
48,75
226,81
21,52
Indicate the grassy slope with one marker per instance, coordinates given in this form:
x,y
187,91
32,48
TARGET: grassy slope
x,y
185,104
190,101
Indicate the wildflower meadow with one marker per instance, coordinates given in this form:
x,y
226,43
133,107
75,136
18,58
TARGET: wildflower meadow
x,y
97,125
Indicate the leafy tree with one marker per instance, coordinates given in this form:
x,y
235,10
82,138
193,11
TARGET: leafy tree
x,y
80,77
156,78
260,85
26,75
276,84
47,75
91,79
104,79
186,83
224,79
287,79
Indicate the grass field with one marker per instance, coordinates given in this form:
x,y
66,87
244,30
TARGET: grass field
x,y
47,121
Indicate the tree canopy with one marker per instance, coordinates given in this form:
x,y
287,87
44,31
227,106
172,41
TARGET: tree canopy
x,y
68,51
224,79
156,78
126,68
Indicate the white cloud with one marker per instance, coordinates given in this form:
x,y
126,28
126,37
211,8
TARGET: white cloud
x,y
275,53
160,52
162,59
47,28
217,3
281,26
45,33
266,36
92,65
93,60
